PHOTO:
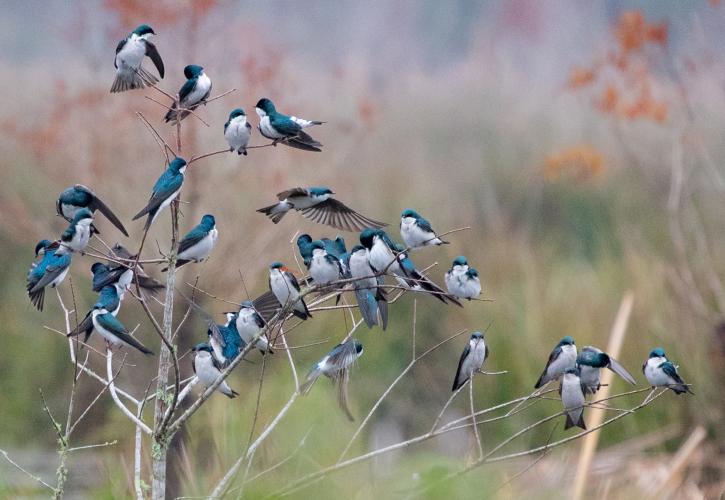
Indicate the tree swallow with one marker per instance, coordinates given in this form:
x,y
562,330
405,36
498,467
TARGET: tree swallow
x,y
284,286
237,131
572,393
368,288
129,55
121,276
385,256
194,92
324,267
109,300
198,243
416,231
250,324
113,330
590,361
336,366
561,359
660,372
472,358
77,197
78,233
316,204
285,129
225,341
462,280
208,370
167,187
304,245
144,280
51,270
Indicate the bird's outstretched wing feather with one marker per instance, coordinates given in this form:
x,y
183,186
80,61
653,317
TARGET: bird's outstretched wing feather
x,y
336,214
97,204
153,54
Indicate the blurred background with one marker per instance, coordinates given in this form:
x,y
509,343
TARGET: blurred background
x,y
579,140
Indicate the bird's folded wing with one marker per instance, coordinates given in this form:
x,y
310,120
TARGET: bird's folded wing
x,y
52,271
186,89
159,195
83,326
190,240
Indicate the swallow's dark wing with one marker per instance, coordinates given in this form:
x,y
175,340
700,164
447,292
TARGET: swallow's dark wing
x,y
621,371
118,49
298,191
191,239
109,322
266,305
97,204
457,383
336,214
186,89
51,273
292,280
85,326
164,188
153,54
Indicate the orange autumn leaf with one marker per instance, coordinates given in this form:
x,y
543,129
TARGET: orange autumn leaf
x,y
582,163
580,77
657,33
608,100
630,30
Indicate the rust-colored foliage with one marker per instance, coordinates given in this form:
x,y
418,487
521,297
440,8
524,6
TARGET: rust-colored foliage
x,y
628,94
161,13
581,77
582,163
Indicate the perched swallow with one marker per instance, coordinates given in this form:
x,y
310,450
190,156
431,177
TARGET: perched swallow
x,y
304,245
561,359
225,341
237,131
385,256
284,286
122,277
461,280
110,300
208,370
336,366
167,187
250,325
198,243
51,270
122,273
572,393
77,197
194,92
416,231
78,233
590,361
661,372
129,55
316,204
285,129
113,330
369,292
324,267
472,358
